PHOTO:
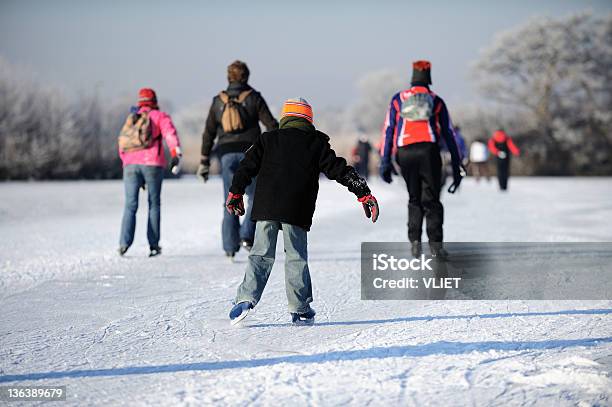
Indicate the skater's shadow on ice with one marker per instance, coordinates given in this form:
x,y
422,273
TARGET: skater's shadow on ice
x,y
443,317
435,348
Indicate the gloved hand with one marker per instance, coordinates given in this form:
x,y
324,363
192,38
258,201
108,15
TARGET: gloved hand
x,y
386,169
370,206
458,174
235,204
175,163
203,169
502,154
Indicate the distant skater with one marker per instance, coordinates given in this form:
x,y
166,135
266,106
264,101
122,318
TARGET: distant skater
x,y
142,153
232,126
501,145
416,122
361,157
287,163
479,156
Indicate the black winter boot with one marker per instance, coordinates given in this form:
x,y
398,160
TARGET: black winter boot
x,y
437,250
303,318
155,251
416,249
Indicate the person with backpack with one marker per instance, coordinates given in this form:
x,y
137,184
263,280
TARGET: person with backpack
x,y
287,163
501,145
416,122
233,121
479,155
142,153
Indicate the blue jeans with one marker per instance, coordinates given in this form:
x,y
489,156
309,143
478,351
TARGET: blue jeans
x,y
134,177
261,259
231,229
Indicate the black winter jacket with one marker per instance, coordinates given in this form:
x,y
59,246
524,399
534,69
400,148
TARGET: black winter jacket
x,y
287,163
256,109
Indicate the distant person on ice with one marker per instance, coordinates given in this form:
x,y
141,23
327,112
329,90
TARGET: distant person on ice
x,y
501,145
287,163
416,122
361,156
233,121
142,154
479,156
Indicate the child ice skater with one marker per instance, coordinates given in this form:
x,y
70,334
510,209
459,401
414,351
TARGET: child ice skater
x,y
287,163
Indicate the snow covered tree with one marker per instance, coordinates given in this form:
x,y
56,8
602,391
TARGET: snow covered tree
x,y
375,92
556,73
189,123
45,136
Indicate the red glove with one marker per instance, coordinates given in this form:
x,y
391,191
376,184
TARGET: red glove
x,y
235,204
370,206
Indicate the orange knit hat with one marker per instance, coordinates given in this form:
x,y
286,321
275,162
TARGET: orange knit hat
x,y
297,107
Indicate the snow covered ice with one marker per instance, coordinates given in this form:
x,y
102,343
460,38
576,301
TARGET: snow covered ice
x,y
140,331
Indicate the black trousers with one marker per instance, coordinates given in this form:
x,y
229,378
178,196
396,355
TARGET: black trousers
x,y
421,167
503,172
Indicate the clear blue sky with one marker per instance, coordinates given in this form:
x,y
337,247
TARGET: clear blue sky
x,y
314,49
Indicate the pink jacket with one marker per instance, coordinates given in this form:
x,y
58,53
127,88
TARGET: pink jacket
x,y
154,155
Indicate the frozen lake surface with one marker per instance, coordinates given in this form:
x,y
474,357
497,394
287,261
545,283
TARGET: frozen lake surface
x,y
143,331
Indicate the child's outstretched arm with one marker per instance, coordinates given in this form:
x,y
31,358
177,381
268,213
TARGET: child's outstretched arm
x,y
336,168
247,170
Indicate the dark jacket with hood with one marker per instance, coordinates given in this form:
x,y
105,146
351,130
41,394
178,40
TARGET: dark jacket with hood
x,y
256,110
287,163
